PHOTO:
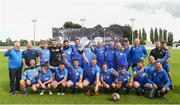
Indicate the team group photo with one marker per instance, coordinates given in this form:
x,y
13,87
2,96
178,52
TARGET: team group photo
x,y
130,60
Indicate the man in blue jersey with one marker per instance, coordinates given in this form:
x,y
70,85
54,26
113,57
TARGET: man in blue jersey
x,y
75,76
29,54
165,64
15,67
124,79
92,75
60,78
140,78
121,56
44,53
89,54
45,78
159,80
107,77
99,51
110,55
67,50
76,51
29,78
126,47
151,64
136,53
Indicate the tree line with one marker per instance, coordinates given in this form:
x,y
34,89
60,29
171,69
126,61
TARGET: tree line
x,y
154,35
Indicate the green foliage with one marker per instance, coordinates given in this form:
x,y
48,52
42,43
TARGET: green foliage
x,y
165,35
127,32
135,33
98,26
144,34
152,36
156,34
139,34
170,39
70,24
160,34
143,42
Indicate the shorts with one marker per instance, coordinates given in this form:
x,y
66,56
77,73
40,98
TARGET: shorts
x,y
91,82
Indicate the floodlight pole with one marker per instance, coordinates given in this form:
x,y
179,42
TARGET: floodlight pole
x,y
132,20
34,28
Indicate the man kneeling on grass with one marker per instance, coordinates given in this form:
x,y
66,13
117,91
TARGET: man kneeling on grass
x,y
107,78
159,80
44,79
124,79
29,78
60,78
92,71
75,74
140,78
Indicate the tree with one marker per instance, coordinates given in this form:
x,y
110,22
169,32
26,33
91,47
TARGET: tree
x,y
165,35
77,25
156,34
160,34
170,39
152,36
23,42
9,42
98,26
68,24
139,34
127,32
144,34
135,33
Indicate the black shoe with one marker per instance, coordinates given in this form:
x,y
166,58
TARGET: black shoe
x,y
161,94
142,91
138,93
171,87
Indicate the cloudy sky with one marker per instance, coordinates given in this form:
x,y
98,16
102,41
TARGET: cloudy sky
x,y
16,15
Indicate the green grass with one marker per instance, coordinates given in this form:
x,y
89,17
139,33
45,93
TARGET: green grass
x,y
171,98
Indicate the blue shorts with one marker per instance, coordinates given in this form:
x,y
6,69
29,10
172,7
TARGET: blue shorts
x,y
32,82
74,81
91,82
166,67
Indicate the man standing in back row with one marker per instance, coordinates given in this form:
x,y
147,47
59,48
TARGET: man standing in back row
x,y
55,53
136,53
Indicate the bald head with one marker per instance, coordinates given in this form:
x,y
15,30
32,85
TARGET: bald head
x,y
136,42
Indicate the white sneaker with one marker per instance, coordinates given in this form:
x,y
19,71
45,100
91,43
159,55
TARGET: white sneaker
x,y
42,93
62,94
58,94
50,93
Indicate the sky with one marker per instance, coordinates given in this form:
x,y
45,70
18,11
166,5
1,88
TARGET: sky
x,y
16,15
